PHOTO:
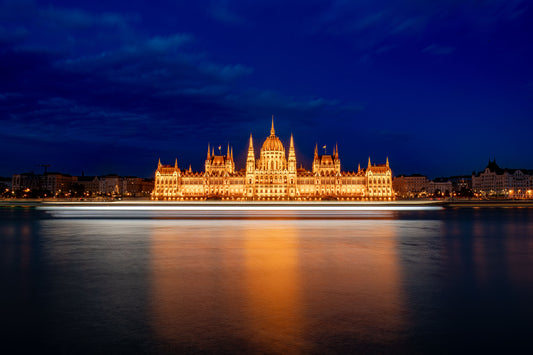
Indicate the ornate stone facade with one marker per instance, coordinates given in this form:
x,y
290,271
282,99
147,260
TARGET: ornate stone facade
x,y
273,176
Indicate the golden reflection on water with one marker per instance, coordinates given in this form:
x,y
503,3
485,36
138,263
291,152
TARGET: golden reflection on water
x,y
272,285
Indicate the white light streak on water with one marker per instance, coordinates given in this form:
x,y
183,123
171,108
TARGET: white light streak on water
x,y
260,211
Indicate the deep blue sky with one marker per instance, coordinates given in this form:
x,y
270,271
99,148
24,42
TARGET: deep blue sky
x,y
437,86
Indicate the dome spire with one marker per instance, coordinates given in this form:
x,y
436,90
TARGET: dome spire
x,y
272,131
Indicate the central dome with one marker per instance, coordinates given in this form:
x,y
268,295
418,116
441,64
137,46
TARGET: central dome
x,y
272,143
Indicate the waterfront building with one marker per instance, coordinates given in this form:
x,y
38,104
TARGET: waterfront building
x,y
110,184
273,176
91,184
26,181
440,187
503,182
133,186
57,183
461,183
411,186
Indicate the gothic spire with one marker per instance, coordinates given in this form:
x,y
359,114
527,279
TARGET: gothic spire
x,y
272,131
251,154
176,164
251,146
387,162
208,151
369,165
292,155
316,150
159,163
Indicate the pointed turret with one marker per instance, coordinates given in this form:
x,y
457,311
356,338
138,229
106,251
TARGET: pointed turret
x,y
336,151
251,154
358,167
159,163
369,165
176,164
292,156
292,143
251,146
208,151
227,151
316,150
272,131
387,163
250,160
190,168
231,153
213,152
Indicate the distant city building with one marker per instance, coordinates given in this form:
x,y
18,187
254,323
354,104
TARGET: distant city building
x,y
410,186
274,176
91,184
110,184
440,186
506,183
50,183
59,184
460,182
26,181
133,186
56,183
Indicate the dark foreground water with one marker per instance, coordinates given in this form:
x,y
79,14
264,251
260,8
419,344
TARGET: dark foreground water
x,y
456,280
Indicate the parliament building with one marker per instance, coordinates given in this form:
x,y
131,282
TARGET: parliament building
x,y
274,176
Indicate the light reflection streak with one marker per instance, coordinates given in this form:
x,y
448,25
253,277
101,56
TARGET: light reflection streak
x,y
231,211
273,288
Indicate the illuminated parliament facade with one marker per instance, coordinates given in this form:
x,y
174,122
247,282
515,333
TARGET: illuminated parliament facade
x,y
273,176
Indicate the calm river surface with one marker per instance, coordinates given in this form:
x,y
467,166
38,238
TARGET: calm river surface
x,y
446,281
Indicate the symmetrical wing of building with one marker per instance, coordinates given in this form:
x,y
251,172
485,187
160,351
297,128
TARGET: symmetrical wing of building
x,y
274,176
499,182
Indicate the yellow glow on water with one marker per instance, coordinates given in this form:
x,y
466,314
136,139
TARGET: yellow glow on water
x,y
272,285
274,281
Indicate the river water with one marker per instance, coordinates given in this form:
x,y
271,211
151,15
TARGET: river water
x,y
446,281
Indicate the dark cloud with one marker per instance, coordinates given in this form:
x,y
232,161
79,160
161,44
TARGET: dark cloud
x,y
221,11
153,89
102,79
79,19
374,24
438,49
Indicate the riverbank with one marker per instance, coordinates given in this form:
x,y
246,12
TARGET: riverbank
x,y
313,204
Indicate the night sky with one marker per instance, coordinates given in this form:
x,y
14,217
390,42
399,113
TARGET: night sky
x,y
110,87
